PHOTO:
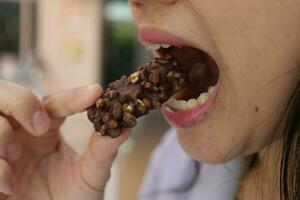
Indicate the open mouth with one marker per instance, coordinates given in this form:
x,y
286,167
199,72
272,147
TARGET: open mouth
x,y
203,75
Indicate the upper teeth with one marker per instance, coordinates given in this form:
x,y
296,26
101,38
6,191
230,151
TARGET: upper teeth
x,y
153,47
191,103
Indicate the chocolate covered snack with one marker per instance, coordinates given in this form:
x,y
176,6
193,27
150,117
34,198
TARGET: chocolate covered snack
x,y
133,96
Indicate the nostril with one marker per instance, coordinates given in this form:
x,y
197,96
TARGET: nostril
x,y
141,2
137,2
169,1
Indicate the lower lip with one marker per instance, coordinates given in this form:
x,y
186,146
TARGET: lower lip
x,y
188,118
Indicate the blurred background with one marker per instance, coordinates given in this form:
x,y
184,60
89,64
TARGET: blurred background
x,y
52,45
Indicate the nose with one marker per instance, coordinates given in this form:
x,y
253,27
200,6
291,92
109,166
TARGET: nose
x,y
141,2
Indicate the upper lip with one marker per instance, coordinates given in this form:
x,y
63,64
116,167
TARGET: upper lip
x,y
151,35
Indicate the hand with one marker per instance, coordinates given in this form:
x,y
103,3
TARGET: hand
x,y
35,162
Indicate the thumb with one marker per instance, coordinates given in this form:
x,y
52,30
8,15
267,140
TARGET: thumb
x,y
97,160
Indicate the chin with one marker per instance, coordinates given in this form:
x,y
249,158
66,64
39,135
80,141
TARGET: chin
x,y
205,149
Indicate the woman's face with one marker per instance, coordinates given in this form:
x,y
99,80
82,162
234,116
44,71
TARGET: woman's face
x,y
256,45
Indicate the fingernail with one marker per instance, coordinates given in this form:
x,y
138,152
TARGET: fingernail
x,y
12,151
85,90
40,122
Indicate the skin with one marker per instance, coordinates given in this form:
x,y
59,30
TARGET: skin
x,y
256,45
35,162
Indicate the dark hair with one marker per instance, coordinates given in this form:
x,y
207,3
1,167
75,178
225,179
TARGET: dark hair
x,y
290,158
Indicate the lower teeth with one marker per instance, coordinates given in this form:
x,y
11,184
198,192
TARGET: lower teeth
x,y
191,103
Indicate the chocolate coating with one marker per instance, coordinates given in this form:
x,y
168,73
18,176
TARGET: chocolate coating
x,y
135,95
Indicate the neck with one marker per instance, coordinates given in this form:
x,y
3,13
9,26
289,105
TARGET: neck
x,y
261,180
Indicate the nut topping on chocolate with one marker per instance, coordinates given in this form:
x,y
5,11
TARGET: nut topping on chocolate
x,y
131,97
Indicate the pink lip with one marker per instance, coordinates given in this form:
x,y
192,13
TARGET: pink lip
x,y
150,35
187,118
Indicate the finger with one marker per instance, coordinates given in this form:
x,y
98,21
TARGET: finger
x,y
73,101
6,186
9,147
22,105
96,162
56,123
12,121
3,196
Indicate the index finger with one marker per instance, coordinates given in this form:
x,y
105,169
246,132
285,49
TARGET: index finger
x,y
23,106
73,101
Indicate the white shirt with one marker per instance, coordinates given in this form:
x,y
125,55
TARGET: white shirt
x,y
173,175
